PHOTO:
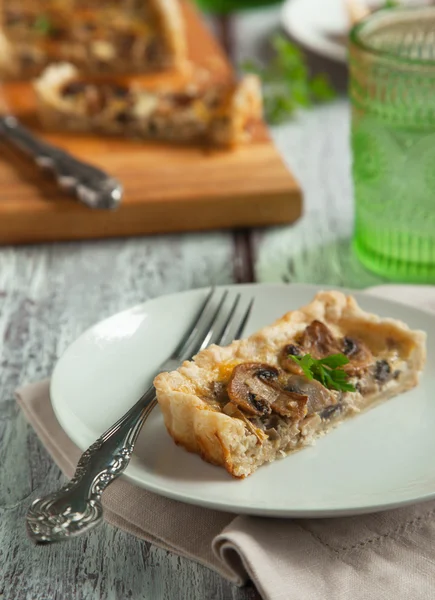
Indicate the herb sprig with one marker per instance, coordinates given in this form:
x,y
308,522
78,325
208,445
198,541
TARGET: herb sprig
x,y
43,25
326,370
287,84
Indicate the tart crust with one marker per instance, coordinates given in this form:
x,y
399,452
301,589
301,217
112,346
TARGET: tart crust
x,y
193,421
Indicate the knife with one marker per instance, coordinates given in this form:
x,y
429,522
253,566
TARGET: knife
x,y
91,185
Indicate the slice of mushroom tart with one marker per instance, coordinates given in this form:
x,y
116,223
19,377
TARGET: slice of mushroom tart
x,y
263,397
196,108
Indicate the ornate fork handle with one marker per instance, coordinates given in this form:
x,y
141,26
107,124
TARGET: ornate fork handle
x,y
77,506
92,186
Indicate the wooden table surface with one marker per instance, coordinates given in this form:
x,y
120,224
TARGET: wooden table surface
x,y
49,294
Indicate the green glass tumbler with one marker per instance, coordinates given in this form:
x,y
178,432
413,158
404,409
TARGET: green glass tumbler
x,y
392,90
229,6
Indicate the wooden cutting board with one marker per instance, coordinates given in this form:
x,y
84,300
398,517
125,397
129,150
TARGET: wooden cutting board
x,y
167,188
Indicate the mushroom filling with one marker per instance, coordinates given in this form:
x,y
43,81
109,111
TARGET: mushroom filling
x,y
265,396
318,396
318,340
97,98
256,389
195,108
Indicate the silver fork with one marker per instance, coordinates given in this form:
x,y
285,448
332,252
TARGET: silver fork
x,y
76,507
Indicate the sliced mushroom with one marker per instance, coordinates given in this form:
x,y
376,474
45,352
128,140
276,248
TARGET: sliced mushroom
x,y
332,411
250,392
285,403
290,404
359,355
382,371
94,99
73,88
350,346
219,391
319,341
318,396
285,359
255,388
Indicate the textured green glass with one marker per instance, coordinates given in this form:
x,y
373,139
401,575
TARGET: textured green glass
x,y
392,89
228,6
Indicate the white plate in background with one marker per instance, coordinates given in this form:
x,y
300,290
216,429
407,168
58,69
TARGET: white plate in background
x,y
323,25
319,25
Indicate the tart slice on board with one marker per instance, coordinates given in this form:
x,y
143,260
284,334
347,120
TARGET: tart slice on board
x,y
199,109
97,37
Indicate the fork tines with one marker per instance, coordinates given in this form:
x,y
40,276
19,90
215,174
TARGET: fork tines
x,y
220,320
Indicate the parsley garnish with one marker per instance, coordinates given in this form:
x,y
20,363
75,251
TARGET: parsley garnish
x,y
287,84
43,25
326,370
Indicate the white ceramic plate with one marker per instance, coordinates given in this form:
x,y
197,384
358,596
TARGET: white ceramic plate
x,y
319,25
379,460
323,25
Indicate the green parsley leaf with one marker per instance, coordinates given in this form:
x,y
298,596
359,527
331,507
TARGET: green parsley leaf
x,y
326,371
287,84
321,88
306,363
43,25
334,360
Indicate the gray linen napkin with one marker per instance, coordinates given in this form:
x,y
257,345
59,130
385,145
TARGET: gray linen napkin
x,y
384,555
